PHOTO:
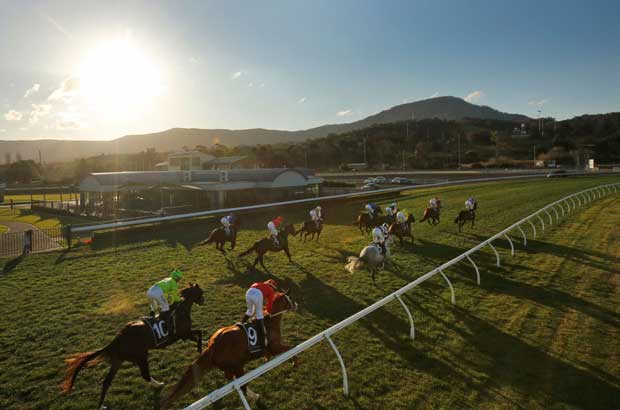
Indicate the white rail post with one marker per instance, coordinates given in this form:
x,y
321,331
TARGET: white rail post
x,y
246,405
557,215
598,191
585,197
496,254
524,236
578,200
475,267
567,206
533,227
512,247
404,305
561,208
550,219
573,201
616,188
449,284
345,382
542,223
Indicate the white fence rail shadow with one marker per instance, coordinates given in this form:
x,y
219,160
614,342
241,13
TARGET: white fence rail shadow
x,y
582,198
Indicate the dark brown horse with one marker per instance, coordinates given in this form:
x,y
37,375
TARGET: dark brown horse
x,y
220,237
227,350
431,214
464,216
364,220
402,229
265,245
311,228
133,342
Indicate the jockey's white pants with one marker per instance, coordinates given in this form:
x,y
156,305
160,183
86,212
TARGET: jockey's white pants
x,y
400,217
469,205
254,300
224,221
157,299
377,235
388,211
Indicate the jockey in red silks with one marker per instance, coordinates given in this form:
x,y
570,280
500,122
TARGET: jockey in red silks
x,y
259,293
274,227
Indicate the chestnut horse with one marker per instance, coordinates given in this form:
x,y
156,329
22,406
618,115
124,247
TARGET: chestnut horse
x,y
133,342
265,245
311,228
220,237
431,214
403,229
227,350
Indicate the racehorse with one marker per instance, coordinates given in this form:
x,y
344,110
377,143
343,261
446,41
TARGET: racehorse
x,y
220,236
133,342
228,351
431,214
265,245
370,256
465,215
311,228
402,229
367,222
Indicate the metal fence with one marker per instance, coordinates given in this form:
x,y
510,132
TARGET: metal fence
x,y
15,243
214,212
565,205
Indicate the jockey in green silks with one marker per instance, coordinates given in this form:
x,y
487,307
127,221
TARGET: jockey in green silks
x,y
163,292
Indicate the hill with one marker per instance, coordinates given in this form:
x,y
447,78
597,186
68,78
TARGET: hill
x,y
446,108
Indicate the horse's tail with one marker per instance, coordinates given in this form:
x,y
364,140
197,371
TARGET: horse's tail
x,y
355,263
457,219
253,248
78,361
192,375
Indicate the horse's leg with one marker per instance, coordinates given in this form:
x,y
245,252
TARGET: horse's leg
x,y
115,364
288,253
221,247
258,258
318,235
143,364
233,243
262,261
196,336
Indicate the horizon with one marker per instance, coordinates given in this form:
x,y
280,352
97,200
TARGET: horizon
x,y
99,72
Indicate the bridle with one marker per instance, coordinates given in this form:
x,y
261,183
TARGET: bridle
x,y
292,306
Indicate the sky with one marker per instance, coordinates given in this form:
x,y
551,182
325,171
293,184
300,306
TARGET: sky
x,y
103,69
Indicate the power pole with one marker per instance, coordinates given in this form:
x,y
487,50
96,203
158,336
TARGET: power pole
x,y
459,150
534,154
364,150
403,160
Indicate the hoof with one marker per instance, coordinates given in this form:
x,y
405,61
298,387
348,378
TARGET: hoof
x,y
156,384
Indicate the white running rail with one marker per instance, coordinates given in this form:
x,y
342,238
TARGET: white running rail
x,y
144,221
582,197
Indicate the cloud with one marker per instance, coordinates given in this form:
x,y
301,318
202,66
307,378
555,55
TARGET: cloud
x,y
23,128
236,75
344,113
261,85
302,100
539,102
38,111
32,90
193,59
68,88
2,129
474,96
250,84
435,94
13,115
68,121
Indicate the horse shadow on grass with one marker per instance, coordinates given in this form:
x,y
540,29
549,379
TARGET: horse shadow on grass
x,y
12,264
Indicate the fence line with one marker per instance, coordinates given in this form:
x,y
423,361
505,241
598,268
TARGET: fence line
x,y
236,385
144,221
14,243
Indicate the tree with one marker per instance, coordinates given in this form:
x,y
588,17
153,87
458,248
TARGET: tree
x,y
22,172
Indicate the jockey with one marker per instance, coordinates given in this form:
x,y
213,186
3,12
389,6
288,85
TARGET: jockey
x,y
273,227
394,208
255,296
226,222
435,203
389,212
315,215
373,210
401,217
163,291
470,204
378,238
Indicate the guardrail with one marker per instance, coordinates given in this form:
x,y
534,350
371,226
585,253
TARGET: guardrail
x,y
576,200
145,221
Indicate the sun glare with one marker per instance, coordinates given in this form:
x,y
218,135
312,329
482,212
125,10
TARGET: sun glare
x,y
117,76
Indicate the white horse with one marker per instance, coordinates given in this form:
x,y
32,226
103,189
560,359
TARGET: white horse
x,y
371,257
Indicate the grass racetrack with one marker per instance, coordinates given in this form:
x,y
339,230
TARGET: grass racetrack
x,y
541,332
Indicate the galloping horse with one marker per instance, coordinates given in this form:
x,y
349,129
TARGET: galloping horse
x,y
265,245
311,228
370,256
220,236
465,215
227,350
431,214
133,342
367,222
402,229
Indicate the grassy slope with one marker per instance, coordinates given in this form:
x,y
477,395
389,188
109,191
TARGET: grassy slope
x,y
541,332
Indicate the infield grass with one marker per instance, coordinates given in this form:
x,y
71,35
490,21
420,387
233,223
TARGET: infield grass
x,y
541,332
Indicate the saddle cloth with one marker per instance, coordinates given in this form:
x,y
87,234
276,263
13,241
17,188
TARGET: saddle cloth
x,y
255,345
161,334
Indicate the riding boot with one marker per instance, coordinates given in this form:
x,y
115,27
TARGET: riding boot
x,y
167,317
244,318
383,250
262,331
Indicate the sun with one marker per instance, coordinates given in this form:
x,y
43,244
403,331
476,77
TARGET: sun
x,y
118,75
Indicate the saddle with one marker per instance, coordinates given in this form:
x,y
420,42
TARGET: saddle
x,y
255,345
162,334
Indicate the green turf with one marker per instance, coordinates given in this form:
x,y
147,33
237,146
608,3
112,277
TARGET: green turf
x,y
42,220
3,228
541,332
